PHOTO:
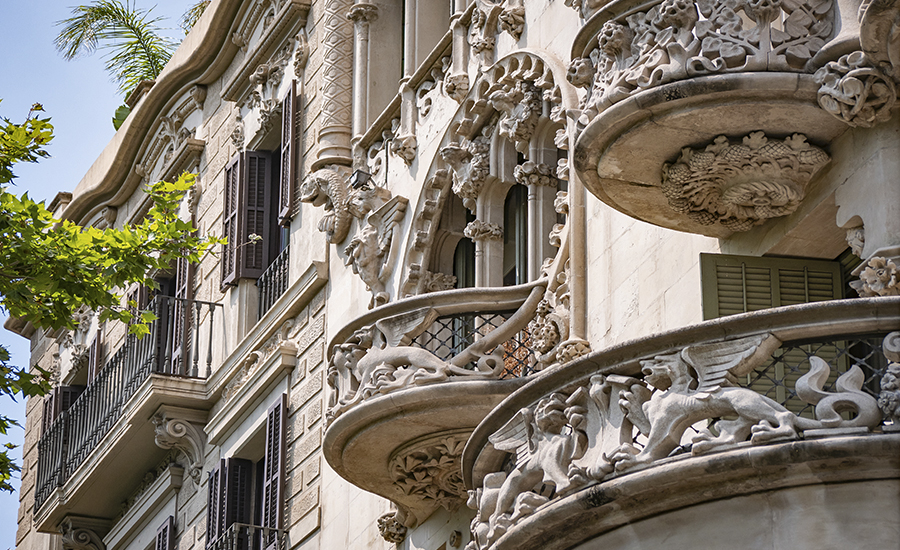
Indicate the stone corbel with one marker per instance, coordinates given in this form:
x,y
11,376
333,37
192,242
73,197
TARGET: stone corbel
x,y
81,533
404,142
182,429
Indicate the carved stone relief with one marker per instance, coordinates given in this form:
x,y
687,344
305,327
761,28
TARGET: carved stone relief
x,y
430,470
856,240
742,184
423,226
436,282
327,187
470,164
372,250
679,39
856,91
82,533
573,438
281,340
879,277
336,86
889,398
264,84
391,529
483,231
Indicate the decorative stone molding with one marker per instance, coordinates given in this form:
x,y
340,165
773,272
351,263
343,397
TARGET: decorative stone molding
x,y
579,436
372,251
512,21
470,164
856,91
183,435
741,184
521,106
483,231
280,341
856,239
436,282
391,529
328,187
264,84
80,533
430,470
424,225
301,53
879,277
680,39
169,464
561,205
237,132
534,173
889,398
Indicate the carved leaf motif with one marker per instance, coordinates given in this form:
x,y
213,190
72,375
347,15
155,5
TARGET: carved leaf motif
x,y
797,23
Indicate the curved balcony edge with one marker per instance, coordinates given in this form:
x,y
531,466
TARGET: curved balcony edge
x,y
773,471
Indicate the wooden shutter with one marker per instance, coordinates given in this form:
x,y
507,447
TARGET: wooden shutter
x,y
213,503
288,156
230,221
165,534
253,258
273,479
737,284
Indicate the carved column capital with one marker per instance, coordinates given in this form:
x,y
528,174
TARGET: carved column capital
x,y
483,231
363,13
80,533
179,430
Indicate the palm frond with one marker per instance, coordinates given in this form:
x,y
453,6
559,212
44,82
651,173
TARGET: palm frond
x,y
137,50
192,15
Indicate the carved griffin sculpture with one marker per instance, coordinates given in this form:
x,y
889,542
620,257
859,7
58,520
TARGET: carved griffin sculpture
x,y
327,187
680,400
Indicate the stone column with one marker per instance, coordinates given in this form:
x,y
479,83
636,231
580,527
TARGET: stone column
x,y
361,14
487,237
409,37
336,87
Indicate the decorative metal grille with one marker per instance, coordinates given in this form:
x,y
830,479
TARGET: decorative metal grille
x,y
451,334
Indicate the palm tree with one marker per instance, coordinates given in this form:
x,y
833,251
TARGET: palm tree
x,y
137,49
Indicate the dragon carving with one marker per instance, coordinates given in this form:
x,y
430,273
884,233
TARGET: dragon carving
x,y
327,187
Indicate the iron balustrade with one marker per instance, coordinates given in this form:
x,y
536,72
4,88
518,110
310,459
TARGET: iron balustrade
x,y
172,347
242,536
274,281
451,334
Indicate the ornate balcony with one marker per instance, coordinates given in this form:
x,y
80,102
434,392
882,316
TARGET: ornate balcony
x,y
759,412
711,116
159,377
413,378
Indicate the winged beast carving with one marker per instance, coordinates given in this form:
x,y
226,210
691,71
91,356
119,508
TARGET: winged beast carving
x,y
327,187
681,399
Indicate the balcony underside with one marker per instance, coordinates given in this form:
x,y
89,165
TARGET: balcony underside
x,y
621,154
383,443
116,467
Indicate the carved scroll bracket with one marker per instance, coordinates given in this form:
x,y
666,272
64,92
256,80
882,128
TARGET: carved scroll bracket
x,y
82,533
182,429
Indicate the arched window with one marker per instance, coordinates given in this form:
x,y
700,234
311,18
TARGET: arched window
x,y
464,263
515,236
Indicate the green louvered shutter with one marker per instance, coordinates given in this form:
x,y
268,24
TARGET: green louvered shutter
x,y
738,284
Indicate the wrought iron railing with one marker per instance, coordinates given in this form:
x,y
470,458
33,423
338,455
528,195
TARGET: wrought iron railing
x,y
173,347
449,335
241,536
274,281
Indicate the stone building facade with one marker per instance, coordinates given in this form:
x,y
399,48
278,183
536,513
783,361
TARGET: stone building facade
x,y
499,275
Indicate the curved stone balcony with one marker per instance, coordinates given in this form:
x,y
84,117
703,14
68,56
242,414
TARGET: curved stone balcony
x,y
714,116
767,427
411,381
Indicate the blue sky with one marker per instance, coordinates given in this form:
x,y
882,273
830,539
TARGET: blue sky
x,y
80,99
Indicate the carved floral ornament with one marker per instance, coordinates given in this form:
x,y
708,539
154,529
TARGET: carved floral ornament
x,y
430,470
680,39
741,184
576,437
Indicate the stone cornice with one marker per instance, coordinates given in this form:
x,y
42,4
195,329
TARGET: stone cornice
x,y
201,59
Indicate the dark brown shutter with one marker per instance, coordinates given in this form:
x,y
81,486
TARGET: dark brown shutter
x,y
273,479
230,220
738,284
236,495
288,156
253,257
165,534
213,503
